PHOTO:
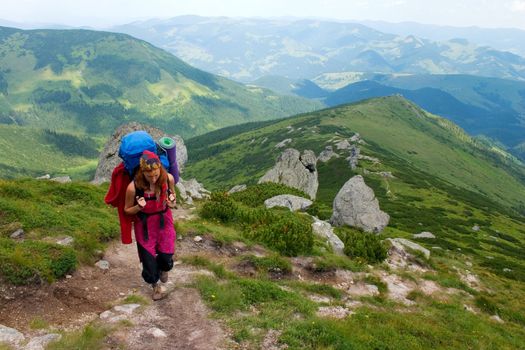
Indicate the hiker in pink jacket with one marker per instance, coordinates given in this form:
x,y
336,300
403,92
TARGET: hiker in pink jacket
x,y
150,196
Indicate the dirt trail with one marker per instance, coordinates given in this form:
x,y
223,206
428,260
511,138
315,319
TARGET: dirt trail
x,y
73,302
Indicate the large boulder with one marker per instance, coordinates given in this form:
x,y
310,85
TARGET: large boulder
x,y
324,230
295,170
356,205
109,158
289,201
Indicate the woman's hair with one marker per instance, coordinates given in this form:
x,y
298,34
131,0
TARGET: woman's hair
x,y
160,185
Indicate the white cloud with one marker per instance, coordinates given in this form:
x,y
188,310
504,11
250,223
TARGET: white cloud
x,y
518,6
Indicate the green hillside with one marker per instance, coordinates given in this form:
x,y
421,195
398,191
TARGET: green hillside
x,y
34,152
87,81
404,137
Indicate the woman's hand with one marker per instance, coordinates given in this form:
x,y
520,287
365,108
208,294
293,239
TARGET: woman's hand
x,y
141,202
172,201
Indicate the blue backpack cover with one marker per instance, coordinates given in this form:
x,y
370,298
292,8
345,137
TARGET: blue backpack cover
x,y
132,146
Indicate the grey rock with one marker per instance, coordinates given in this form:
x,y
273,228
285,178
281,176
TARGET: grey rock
x,y
288,201
356,205
192,188
10,335
327,154
497,319
324,230
102,264
237,188
66,241
475,228
40,343
402,242
355,138
44,177
127,309
106,314
62,179
283,143
157,333
353,158
109,158
295,170
197,239
344,144
17,234
424,234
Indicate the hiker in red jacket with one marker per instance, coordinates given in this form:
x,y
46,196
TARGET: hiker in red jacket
x,y
150,196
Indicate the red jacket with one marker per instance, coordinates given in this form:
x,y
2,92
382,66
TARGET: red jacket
x,y
116,197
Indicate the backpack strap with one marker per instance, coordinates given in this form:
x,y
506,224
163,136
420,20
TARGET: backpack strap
x,y
144,216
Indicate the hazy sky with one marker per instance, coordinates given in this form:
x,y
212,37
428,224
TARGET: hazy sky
x,y
99,13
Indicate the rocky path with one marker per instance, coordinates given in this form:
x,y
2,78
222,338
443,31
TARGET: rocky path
x,y
179,321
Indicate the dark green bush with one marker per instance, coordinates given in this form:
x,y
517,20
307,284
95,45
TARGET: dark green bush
x,y
31,261
255,195
362,245
221,207
272,263
290,235
486,305
321,210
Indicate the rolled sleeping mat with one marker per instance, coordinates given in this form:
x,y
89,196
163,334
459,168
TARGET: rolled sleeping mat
x,y
168,145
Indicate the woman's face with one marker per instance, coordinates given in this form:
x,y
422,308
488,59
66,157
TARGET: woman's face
x,y
152,175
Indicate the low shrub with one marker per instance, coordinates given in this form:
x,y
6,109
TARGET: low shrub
x,y
290,235
321,210
359,244
220,207
30,261
272,263
255,195
286,232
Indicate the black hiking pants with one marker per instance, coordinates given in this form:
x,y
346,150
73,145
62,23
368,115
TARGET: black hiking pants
x,y
152,266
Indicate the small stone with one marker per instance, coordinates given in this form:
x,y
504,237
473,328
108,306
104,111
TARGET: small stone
x,y
475,228
17,234
157,333
69,276
61,179
424,234
44,177
40,343
102,264
197,239
506,269
497,319
106,314
469,264
126,308
66,241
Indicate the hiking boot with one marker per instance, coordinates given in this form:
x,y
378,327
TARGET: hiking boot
x,y
158,293
164,276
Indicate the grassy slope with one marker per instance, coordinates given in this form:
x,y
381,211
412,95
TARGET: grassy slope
x,y
395,130
35,152
440,177
94,81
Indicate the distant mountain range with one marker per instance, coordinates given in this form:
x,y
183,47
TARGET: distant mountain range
x,y
504,39
89,81
247,49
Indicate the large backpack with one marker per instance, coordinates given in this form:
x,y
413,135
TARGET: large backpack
x,y
130,151
132,146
